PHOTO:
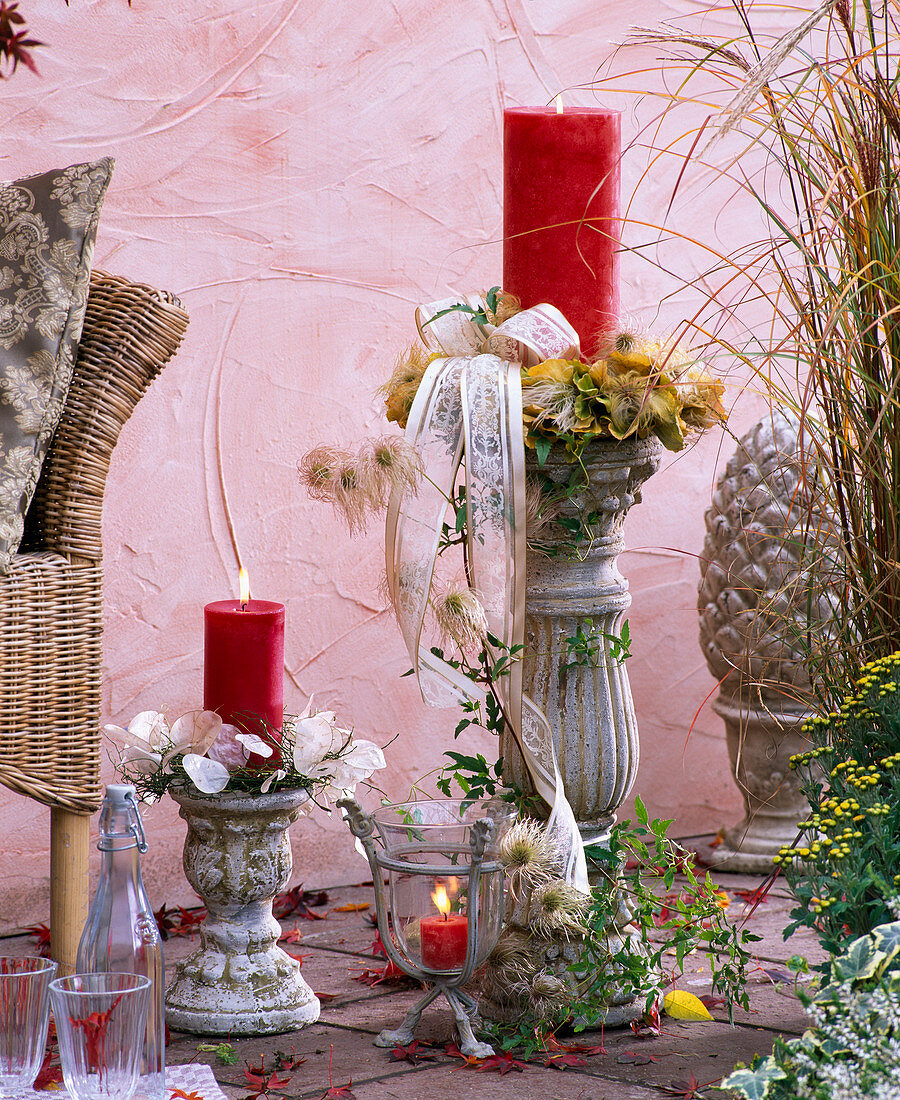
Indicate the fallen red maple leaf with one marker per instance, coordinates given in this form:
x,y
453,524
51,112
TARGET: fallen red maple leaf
x,y
635,1058
649,1025
558,1059
263,1082
297,902
501,1063
40,933
293,936
412,1053
553,1044
687,1090
49,1073
756,896
180,1094
285,1061
342,1092
468,1060
390,973
712,1001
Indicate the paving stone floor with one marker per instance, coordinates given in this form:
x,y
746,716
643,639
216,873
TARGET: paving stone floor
x,y
337,950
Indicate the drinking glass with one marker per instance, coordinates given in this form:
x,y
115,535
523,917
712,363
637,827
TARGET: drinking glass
x,y
100,1021
24,1014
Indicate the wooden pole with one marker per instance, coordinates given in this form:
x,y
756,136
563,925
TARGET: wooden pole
x,y
69,884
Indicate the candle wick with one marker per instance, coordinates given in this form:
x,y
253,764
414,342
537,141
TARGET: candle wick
x,y
243,606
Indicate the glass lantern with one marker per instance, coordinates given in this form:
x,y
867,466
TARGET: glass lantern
x,y
431,910
441,915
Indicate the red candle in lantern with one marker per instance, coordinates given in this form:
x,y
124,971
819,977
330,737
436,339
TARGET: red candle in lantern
x,y
445,936
243,665
561,222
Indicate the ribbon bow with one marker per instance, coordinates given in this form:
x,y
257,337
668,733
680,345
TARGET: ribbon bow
x,y
469,403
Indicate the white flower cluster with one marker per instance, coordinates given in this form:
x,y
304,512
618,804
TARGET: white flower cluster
x,y
865,1039
208,751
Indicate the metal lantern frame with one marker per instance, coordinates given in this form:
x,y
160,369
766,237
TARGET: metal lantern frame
x,y
446,982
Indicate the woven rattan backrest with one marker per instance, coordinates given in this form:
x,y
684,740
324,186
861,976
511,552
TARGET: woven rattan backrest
x,y
51,602
130,332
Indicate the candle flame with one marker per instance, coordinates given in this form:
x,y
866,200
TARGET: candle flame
x,y
559,104
441,901
245,585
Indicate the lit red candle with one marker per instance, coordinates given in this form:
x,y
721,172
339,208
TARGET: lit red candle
x,y
445,936
243,663
561,219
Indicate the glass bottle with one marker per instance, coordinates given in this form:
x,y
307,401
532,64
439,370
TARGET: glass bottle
x,y
121,933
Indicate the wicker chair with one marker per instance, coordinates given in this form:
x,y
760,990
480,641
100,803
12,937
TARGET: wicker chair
x,y
51,602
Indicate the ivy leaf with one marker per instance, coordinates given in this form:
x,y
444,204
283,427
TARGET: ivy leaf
x,y
754,1083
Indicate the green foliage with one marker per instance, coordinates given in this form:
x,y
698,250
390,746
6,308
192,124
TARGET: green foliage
x,y
844,870
478,316
853,1051
585,647
474,776
224,1052
674,912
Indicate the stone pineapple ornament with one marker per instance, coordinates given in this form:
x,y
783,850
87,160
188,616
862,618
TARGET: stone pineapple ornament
x,y
764,599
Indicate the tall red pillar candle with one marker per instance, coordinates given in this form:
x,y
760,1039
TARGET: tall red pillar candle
x,y
560,239
243,665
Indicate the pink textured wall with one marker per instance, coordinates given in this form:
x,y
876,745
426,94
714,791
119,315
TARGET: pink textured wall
x,y
302,175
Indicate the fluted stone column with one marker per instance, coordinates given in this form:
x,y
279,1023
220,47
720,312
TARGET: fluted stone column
x,y
588,705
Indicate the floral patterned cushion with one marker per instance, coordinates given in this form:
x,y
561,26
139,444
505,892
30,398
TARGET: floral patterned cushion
x,y
47,228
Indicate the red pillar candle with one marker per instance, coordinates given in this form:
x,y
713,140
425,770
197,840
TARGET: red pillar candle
x,y
243,665
444,941
560,239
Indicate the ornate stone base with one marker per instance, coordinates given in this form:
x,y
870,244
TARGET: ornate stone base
x,y
760,745
237,856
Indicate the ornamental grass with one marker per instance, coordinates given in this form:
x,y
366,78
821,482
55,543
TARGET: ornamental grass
x,y
808,126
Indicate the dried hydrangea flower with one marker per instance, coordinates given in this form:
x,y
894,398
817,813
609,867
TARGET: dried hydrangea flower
x,y
558,909
460,616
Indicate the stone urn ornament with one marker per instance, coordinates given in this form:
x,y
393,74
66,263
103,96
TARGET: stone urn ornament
x,y
759,601
237,856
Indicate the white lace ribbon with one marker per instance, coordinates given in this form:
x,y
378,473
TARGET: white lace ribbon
x,y
469,405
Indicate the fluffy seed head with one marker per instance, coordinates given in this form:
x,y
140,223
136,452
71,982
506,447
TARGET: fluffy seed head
x,y
549,997
389,464
540,510
460,616
529,855
320,470
559,910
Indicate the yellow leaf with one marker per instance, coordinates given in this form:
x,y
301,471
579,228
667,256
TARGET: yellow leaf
x,y
681,1005
351,907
